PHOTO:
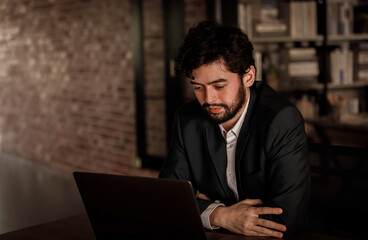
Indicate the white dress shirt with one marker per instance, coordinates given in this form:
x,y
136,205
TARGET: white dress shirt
x,y
231,138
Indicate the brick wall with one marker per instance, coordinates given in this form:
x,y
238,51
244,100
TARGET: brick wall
x,y
194,12
66,83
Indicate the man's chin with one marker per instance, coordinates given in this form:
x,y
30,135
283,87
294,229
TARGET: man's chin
x,y
216,117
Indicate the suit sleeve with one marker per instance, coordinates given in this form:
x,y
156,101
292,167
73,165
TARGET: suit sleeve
x,y
288,174
176,165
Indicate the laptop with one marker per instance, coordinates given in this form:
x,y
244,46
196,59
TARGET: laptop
x,y
126,207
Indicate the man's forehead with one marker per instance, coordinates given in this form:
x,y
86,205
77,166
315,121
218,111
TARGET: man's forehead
x,y
218,63
213,68
213,73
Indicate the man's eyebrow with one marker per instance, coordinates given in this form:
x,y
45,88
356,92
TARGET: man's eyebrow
x,y
215,81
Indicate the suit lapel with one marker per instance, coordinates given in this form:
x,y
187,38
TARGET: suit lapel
x,y
244,132
217,150
243,138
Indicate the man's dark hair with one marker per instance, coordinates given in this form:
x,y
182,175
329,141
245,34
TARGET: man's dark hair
x,y
208,42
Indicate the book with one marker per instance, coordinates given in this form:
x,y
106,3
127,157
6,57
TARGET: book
x,y
271,27
269,22
302,64
353,105
333,18
363,75
245,18
363,58
302,53
303,69
341,65
340,14
303,19
310,19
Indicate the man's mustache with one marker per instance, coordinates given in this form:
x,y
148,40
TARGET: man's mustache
x,y
207,105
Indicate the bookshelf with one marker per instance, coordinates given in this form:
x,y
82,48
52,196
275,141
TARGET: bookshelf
x,y
347,38
360,84
313,52
286,39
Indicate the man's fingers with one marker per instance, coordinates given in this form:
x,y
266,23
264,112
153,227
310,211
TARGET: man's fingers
x,y
261,231
202,196
270,224
252,202
258,234
268,210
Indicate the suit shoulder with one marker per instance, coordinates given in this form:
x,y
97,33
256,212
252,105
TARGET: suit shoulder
x,y
270,103
272,99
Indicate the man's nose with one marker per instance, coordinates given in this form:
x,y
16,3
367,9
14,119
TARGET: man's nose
x,y
210,96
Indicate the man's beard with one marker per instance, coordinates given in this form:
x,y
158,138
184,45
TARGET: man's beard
x,y
230,111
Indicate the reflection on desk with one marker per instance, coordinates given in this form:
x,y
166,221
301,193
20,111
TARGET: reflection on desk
x,y
78,227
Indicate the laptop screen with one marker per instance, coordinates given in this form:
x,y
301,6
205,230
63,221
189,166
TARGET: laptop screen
x,y
129,207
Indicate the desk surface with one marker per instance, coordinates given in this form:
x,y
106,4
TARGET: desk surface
x,y
78,227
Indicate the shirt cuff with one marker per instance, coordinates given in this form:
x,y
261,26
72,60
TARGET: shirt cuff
x,y
205,216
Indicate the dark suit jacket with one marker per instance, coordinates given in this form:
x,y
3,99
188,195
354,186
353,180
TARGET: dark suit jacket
x,y
271,156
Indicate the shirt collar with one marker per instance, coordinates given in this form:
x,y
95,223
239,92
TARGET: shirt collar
x,y
237,127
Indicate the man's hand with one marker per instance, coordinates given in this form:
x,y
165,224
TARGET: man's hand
x,y
242,218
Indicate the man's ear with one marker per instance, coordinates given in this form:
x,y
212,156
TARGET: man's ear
x,y
249,77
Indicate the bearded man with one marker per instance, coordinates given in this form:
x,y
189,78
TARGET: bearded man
x,y
241,145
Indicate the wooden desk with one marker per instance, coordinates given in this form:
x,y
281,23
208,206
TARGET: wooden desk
x,y
79,228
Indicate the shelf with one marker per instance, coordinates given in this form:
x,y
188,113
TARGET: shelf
x,y
319,86
347,38
302,87
357,122
333,86
286,39
336,54
319,38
